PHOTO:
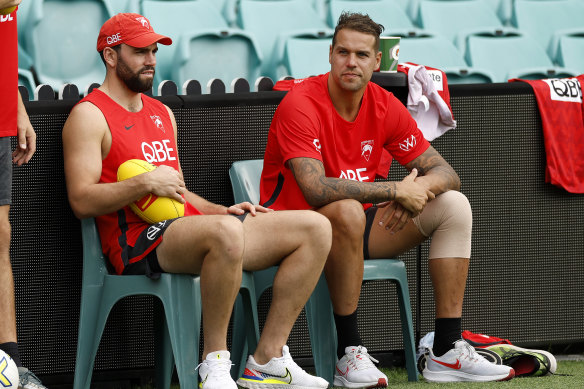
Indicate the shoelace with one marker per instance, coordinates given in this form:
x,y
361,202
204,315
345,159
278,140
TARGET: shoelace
x,y
365,362
471,354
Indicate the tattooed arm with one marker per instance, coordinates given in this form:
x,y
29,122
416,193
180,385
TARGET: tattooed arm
x,y
320,190
434,172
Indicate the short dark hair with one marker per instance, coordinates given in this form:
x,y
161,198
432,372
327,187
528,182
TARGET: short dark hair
x,y
360,23
116,48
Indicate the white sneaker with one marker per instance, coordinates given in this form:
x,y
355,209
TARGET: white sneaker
x,y
214,371
278,373
463,363
356,370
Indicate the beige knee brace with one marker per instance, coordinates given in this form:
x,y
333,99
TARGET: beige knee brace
x,y
448,219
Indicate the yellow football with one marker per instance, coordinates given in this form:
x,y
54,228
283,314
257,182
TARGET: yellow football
x,y
150,208
6,11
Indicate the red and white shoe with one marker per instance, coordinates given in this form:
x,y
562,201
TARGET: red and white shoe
x,y
356,370
463,363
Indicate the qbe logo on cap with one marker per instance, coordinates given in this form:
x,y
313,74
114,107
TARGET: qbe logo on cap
x,y
566,89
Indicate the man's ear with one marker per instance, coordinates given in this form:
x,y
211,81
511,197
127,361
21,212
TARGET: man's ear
x,y
110,56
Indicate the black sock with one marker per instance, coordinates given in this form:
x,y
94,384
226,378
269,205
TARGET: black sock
x,y
448,331
347,332
11,348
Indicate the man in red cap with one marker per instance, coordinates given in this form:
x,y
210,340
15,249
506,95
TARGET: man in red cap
x,y
117,122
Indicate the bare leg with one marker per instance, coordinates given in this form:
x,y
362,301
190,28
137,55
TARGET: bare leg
x,y
211,246
7,310
344,266
299,242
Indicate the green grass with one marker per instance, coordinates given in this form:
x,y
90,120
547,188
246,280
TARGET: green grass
x,y
569,375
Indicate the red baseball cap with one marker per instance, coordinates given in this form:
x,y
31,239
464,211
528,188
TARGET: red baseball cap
x,y
131,29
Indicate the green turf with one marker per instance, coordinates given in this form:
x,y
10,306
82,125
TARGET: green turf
x,y
569,375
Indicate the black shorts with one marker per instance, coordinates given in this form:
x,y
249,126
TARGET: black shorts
x,y
149,265
5,171
369,217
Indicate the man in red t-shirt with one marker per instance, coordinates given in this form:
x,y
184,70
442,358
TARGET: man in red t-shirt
x,y
329,137
13,122
117,122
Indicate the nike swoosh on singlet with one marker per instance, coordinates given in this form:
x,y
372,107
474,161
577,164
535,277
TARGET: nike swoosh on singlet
x,y
455,366
128,127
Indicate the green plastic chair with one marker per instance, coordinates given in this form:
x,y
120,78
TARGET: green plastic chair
x,y
177,318
245,181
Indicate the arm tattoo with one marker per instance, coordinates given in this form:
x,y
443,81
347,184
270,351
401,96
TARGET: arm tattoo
x,y
432,163
319,190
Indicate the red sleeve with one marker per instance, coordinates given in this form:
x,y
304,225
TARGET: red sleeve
x,y
405,141
297,129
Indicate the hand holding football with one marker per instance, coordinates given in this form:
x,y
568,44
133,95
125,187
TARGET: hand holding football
x,y
150,208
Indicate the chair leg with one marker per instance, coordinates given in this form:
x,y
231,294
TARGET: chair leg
x,y
321,327
407,329
163,358
92,322
183,315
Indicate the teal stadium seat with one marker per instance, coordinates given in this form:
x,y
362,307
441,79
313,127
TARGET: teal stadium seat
x,y
177,315
26,79
511,55
456,18
226,54
546,20
571,52
245,181
305,56
389,13
272,22
189,18
438,52
60,36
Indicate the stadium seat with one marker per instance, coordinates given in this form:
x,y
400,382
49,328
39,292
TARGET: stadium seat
x,y
386,12
245,181
272,22
544,20
26,79
511,55
61,36
438,52
302,56
454,18
177,319
571,52
174,18
226,54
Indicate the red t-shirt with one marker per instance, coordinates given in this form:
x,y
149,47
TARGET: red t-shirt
x,y
146,135
561,109
306,124
8,75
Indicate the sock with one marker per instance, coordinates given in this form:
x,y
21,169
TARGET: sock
x,y
448,331
11,348
347,332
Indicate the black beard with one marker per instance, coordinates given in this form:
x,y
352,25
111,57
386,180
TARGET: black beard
x,y
132,80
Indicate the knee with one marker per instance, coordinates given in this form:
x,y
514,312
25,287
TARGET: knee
x,y
318,231
457,208
347,218
227,239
